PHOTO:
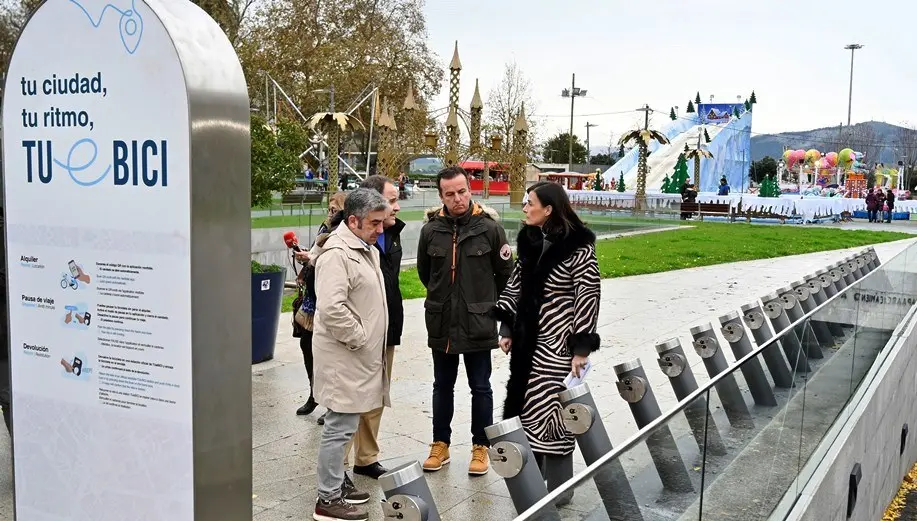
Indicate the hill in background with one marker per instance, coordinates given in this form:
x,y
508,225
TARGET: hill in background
x,y
876,139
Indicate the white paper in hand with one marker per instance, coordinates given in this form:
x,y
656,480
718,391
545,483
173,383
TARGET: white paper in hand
x,y
572,381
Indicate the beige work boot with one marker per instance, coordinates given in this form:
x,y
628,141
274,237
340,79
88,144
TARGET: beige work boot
x,y
480,463
439,456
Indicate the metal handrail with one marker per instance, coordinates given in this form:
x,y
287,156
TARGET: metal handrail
x,y
651,427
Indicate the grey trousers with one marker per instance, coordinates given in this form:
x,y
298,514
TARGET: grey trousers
x,y
337,433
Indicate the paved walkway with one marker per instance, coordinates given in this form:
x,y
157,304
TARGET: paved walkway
x,y
636,313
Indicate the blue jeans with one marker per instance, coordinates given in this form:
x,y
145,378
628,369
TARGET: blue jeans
x,y
445,373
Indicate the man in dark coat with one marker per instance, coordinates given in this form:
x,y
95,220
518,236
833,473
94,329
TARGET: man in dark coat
x,y
464,261
366,439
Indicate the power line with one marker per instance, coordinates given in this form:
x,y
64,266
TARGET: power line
x,y
586,115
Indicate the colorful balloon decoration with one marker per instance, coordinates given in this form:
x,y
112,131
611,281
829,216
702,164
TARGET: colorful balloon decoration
x,y
812,156
796,157
831,158
786,155
845,157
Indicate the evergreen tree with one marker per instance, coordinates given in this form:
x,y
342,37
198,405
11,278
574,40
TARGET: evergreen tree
x,y
621,186
706,137
680,176
665,185
753,99
697,99
597,186
686,147
747,105
769,187
735,112
672,114
690,109
621,151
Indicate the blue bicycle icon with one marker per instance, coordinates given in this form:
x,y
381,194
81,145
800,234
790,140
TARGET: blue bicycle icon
x,y
67,280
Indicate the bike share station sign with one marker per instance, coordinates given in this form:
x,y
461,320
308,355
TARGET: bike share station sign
x,y
98,112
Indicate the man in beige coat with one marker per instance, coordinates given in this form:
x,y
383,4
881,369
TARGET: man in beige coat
x,y
351,320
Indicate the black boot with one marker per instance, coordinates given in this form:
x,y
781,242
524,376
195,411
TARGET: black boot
x,y
307,407
557,470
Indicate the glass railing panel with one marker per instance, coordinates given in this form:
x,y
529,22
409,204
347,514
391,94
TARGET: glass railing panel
x,y
656,476
762,451
760,434
865,319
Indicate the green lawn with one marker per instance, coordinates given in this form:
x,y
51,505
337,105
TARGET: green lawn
x,y
292,221
706,244
703,244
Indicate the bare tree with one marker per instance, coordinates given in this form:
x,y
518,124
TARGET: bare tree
x,y
506,99
906,143
612,147
862,138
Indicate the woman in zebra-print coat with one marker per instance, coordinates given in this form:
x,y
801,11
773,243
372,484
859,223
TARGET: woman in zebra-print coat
x,y
549,313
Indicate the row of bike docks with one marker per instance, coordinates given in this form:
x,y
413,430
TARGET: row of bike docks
x,y
408,496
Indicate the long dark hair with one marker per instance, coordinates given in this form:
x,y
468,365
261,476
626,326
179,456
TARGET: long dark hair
x,y
563,218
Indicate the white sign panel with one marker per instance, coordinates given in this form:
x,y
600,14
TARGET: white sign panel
x,y
96,155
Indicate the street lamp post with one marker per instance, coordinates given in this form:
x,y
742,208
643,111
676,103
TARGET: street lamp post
x,y
853,48
588,150
573,92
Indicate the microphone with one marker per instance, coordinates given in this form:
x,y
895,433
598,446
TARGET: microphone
x,y
289,238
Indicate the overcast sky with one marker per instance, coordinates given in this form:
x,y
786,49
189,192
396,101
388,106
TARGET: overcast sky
x,y
629,53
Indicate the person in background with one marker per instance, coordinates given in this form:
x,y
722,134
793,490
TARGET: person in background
x,y
688,195
872,205
464,261
890,201
548,319
366,440
351,322
402,186
724,187
306,279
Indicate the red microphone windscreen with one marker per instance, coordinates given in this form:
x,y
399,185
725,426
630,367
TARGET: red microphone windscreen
x,y
289,238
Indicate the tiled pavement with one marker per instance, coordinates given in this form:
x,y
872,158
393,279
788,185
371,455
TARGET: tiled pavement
x,y
636,313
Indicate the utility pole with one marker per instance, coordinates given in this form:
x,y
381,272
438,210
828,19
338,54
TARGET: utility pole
x,y
572,93
588,150
646,120
853,48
